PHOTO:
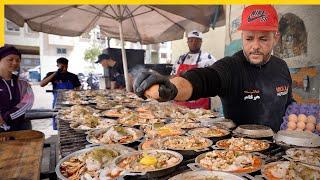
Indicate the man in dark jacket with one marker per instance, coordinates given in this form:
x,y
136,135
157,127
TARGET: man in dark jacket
x,y
254,86
115,70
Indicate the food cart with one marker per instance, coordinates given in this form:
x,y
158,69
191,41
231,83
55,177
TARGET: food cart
x,y
143,139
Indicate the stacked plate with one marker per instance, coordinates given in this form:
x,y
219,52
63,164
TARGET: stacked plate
x,y
253,131
297,138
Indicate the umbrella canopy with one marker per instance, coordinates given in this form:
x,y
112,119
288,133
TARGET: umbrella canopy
x,y
136,23
155,24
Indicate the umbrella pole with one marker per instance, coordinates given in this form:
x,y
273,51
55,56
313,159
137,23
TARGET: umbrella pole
x,y
124,59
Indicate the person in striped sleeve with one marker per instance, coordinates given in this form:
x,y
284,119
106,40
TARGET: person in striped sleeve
x,y
16,95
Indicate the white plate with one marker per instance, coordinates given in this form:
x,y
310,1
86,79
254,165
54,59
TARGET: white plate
x,y
203,175
297,138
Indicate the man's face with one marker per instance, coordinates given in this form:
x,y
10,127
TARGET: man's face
x,y
63,67
194,44
104,63
10,62
258,45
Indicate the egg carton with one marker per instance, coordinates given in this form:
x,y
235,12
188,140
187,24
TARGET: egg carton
x,y
306,109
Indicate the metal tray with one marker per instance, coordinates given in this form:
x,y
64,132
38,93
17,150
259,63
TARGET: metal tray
x,y
296,138
115,147
197,166
228,123
290,152
193,132
253,131
263,169
218,146
265,176
152,173
206,175
92,132
191,149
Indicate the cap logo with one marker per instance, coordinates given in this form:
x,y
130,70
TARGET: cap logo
x,y
195,33
258,14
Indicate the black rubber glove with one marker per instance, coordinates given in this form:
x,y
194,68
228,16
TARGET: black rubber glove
x,y
167,90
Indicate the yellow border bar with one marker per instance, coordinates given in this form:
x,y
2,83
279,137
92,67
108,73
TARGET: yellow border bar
x,y
179,2
1,23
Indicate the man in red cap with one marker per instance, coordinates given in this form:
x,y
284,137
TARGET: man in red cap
x,y
254,86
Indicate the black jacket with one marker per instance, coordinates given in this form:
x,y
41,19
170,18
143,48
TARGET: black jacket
x,y
250,94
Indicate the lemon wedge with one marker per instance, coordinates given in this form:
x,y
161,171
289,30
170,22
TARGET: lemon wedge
x,y
148,160
164,130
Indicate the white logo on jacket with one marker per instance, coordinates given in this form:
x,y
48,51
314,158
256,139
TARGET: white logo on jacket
x,y
282,90
251,95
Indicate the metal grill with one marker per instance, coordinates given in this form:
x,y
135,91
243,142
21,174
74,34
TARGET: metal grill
x,y
70,140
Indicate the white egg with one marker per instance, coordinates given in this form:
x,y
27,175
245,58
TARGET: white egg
x,y
311,119
293,117
301,125
292,125
302,118
310,127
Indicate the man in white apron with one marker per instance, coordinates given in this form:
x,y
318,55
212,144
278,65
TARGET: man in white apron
x,y
195,58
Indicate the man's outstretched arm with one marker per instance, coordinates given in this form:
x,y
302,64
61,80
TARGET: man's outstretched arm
x,y
183,86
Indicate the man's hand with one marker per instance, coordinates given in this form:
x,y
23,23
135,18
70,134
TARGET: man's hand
x,y
3,125
58,73
2,121
156,86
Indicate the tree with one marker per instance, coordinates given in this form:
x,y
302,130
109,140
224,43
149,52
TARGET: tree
x,y
91,54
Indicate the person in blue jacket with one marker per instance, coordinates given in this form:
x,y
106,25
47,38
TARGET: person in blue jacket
x,y
60,79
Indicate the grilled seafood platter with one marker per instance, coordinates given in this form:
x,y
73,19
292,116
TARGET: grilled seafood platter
x,y
309,156
94,93
106,105
202,113
209,132
243,144
113,135
75,102
88,122
138,119
73,98
74,112
150,144
116,112
184,125
185,143
169,110
150,160
229,161
161,130
89,162
289,170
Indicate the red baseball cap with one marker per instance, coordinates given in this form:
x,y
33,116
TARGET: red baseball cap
x,y
259,18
